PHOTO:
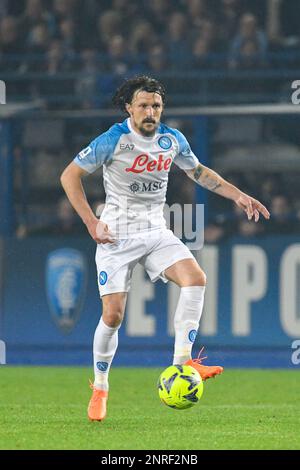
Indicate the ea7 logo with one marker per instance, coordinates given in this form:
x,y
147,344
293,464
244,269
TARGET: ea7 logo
x,y
2,352
296,354
126,146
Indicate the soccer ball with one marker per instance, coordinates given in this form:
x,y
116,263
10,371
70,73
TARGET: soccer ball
x,y
180,387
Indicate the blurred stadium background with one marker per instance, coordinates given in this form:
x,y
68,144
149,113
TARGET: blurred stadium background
x,y
228,66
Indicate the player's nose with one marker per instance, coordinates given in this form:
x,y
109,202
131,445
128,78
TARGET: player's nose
x,y
149,111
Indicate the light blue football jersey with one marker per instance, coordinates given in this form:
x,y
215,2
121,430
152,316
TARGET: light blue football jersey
x,y
135,173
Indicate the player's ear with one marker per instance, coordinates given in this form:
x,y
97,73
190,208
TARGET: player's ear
x,y
128,108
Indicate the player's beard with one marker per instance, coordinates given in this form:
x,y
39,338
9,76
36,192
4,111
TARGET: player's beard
x,y
145,132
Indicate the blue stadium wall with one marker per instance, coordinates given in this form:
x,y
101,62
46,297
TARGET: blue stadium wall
x,y
51,305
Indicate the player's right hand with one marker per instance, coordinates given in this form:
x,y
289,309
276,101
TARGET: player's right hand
x,y
99,232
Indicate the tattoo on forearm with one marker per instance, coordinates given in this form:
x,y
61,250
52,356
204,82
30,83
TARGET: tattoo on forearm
x,y
207,178
198,171
210,183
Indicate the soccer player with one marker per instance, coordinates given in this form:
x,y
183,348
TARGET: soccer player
x,y
136,156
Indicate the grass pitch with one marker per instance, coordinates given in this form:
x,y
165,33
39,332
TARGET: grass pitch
x,y
45,408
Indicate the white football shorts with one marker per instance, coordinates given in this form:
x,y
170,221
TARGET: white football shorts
x,y
116,261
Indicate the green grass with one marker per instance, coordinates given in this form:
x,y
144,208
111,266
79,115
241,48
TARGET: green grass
x,y
45,408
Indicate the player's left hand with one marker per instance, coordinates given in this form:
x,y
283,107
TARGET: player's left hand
x,y
252,207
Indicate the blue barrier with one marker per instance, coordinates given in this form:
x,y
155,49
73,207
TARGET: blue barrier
x,y
6,178
252,309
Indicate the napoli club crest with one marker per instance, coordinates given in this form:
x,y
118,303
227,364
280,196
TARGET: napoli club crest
x,y
165,142
66,280
103,278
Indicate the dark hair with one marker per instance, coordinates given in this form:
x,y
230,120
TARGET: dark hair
x,y
125,92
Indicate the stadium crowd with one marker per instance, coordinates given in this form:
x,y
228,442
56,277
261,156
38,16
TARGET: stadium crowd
x,y
224,219
66,50
95,42
228,220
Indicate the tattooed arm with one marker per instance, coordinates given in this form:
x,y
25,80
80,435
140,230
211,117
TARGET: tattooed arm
x,y
209,179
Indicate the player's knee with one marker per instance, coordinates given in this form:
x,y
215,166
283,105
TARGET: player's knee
x,y
203,279
198,278
113,318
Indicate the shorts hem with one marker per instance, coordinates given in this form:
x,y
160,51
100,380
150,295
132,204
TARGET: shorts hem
x,y
168,265
114,290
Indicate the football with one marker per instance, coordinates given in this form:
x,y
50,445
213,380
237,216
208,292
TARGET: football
x,y
180,387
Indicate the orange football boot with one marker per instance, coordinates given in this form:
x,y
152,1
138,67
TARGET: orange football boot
x,y
97,404
206,372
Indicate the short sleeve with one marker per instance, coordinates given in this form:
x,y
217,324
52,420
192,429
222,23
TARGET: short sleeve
x,y
185,159
99,151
